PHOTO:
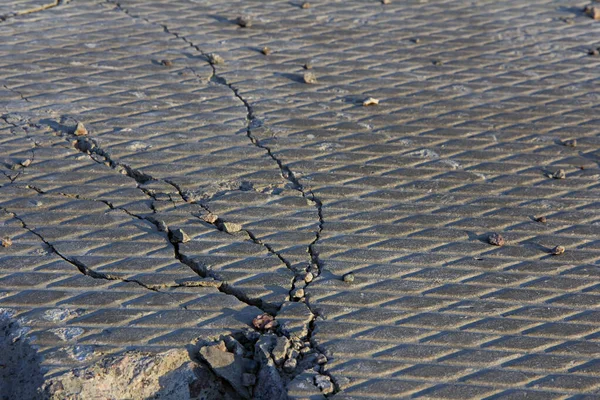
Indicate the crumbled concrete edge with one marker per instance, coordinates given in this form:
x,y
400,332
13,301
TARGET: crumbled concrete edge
x,y
20,372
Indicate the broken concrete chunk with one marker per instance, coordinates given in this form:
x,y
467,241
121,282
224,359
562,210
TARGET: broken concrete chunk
x,y
281,347
290,365
324,383
226,365
215,59
179,236
26,163
234,346
558,250
560,174
308,278
80,130
264,322
248,379
298,293
231,227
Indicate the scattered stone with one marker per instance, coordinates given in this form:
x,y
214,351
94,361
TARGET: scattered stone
x,y
80,130
541,219
293,353
215,59
416,40
386,1
558,250
179,236
266,51
231,227
570,143
308,65
560,174
264,322
593,52
26,163
349,278
370,102
298,293
233,346
308,278
592,11
210,218
310,78
321,359
166,63
496,239
305,5
248,379
290,365
162,226
324,384
228,366
437,62
6,241
245,21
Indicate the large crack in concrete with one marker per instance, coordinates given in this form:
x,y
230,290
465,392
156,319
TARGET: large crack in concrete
x,y
42,7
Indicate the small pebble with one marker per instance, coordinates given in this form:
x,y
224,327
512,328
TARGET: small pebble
x,y
349,278
386,1
593,52
308,278
215,59
570,143
6,241
231,227
438,62
370,102
558,250
321,359
308,65
592,11
167,63
179,236
290,365
264,322
416,40
496,239
244,21
266,51
323,382
305,5
210,218
541,219
310,78
298,293
80,130
26,163
560,174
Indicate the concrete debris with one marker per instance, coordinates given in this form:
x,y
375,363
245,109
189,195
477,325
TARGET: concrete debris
x,y
496,239
231,227
244,21
215,59
6,241
370,102
228,366
167,63
560,174
80,130
280,350
179,236
349,278
558,250
26,163
264,322
324,383
310,78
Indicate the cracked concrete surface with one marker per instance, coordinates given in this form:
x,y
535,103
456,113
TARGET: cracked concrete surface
x,y
209,191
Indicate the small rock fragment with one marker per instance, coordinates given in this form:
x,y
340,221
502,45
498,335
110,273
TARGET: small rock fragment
x,y
568,20
179,236
266,51
321,359
541,219
305,5
323,382
560,174
264,322
570,143
308,65
593,52
558,250
496,239
416,40
298,293
6,241
210,218
386,1
166,63
290,365
437,62
26,163
215,59
349,278
282,345
310,78
308,278
370,102
231,227
245,21
162,226
80,130
592,11
248,379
